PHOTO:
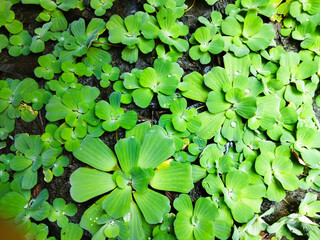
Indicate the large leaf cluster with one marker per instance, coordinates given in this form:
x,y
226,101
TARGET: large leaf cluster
x,y
243,132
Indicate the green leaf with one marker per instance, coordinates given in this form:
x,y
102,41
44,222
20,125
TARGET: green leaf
x,y
203,230
288,181
117,203
14,27
139,131
216,79
88,183
236,66
12,204
242,213
197,90
236,180
205,209
155,149
97,154
275,191
128,120
71,231
29,179
127,151
183,204
153,205
56,110
247,107
19,163
142,97
135,222
176,178
216,102
231,27
140,179
130,54
252,24
182,226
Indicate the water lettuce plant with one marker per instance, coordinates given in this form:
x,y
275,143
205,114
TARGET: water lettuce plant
x,y
251,34
76,107
131,178
194,223
207,42
278,170
32,154
167,28
163,79
113,115
128,32
242,197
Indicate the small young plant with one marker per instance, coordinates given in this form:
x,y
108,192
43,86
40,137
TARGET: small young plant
x,y
167,28
183,119
194,223
113,115
279,172
101,6
60,210
163,79
49,66
207,42
42,35
128,32
107,74
178,6
20,44
18,205
240,195
299,224
7,17
76,107
252,34
77,40
4,42
32,154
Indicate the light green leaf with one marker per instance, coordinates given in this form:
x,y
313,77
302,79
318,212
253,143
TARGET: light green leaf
x,y
176,178
97,154
142,97
216,79
88,183
183,204
117,203
153,205
205,209
155,149
127,151
11,205
182,226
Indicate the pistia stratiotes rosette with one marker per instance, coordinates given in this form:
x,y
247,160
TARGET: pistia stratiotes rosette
x,y
33,154
76,107
167,28
178,6
240,195
113,115
279,172
199,222
251,34
128,33
233,94
163,79
139,156
206,42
